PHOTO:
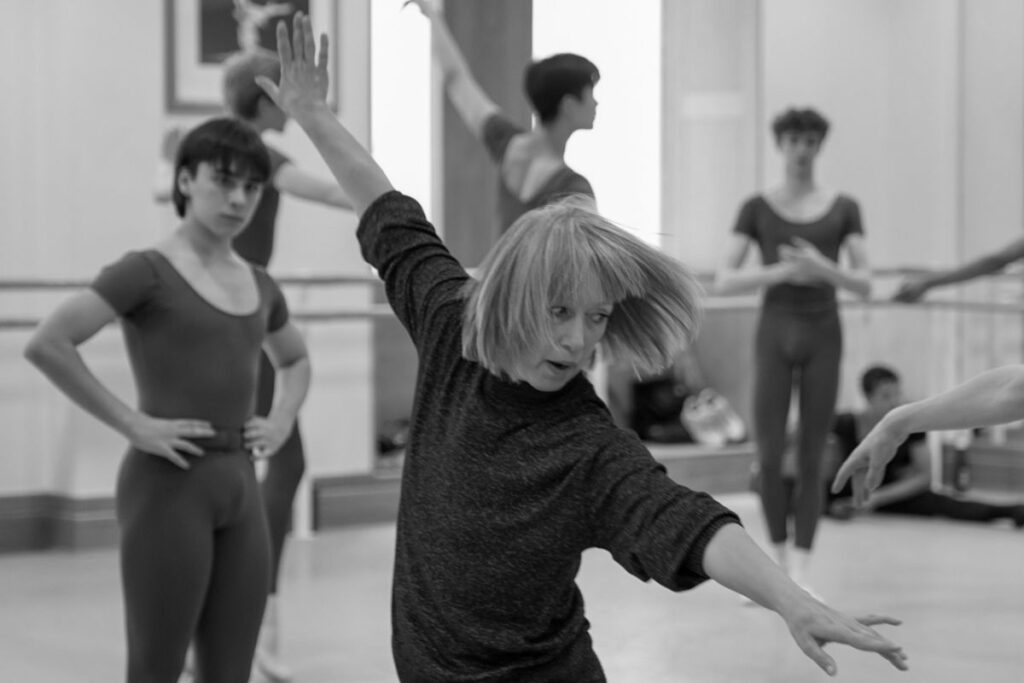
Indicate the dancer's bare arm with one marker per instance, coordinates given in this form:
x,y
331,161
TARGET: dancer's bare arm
x,y
53,348
731,278
915,287
464,92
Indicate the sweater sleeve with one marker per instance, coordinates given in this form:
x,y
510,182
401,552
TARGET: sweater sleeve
x,y
420,275
652,526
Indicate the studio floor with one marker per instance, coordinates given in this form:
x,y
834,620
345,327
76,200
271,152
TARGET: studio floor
x,y
957,586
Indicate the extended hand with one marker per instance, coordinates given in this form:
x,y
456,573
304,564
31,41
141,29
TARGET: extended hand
x,y
426,7
814,624
164,438
912,289
866,465
264,436
304,78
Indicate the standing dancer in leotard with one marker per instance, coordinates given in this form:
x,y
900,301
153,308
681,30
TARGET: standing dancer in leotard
x,y
195,558
247,102
800,229
531,164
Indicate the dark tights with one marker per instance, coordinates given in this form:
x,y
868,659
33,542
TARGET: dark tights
x,y
799,349
284,472
194,563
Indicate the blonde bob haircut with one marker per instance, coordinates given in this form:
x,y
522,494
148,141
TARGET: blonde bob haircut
x,y
554,256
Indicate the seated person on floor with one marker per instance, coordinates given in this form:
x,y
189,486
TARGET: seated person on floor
x,y
906,488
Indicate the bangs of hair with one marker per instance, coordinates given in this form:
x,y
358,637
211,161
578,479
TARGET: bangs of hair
x,y
795,120
564,255
229,145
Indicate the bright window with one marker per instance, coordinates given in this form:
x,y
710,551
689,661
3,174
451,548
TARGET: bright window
x,y
400,98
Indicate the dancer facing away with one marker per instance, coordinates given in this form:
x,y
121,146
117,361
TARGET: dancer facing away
x,y
915,287
800,228
991,398
906,487
531,164
513,465
247,102
195,558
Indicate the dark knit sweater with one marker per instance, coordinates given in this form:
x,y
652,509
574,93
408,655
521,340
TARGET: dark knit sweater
x,y
504,487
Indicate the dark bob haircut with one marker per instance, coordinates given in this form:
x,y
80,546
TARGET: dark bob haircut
x,y
799,121
874,376
548,81
229,144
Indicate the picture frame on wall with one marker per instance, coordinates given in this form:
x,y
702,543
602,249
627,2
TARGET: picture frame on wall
x,y
201,34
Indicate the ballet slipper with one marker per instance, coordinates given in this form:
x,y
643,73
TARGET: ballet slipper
x,y
188,671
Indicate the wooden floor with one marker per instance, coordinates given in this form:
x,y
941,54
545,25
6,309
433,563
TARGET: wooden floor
x,y
957,586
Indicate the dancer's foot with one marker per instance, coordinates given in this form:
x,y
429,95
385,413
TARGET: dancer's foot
x,y
188,672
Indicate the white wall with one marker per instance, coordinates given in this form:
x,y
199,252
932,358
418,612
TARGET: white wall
x,y
621,156
80,130
885,73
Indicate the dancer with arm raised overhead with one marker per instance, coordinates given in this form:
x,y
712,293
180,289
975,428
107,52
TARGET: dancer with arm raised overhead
x,y
513,464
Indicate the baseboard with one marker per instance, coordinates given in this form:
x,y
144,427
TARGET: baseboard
x,y
358,499
43,521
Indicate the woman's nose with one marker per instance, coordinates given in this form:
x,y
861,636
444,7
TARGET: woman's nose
x,y
572,332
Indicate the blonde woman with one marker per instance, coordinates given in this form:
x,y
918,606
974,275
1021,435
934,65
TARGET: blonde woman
x,y
513,466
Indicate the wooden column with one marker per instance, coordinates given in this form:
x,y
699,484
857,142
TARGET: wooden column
x,y
496,36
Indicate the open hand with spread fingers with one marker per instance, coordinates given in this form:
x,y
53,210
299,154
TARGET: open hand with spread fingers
x,y
814,624
304,78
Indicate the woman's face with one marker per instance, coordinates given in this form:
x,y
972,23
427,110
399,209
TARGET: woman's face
x,y
800,148
577,331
